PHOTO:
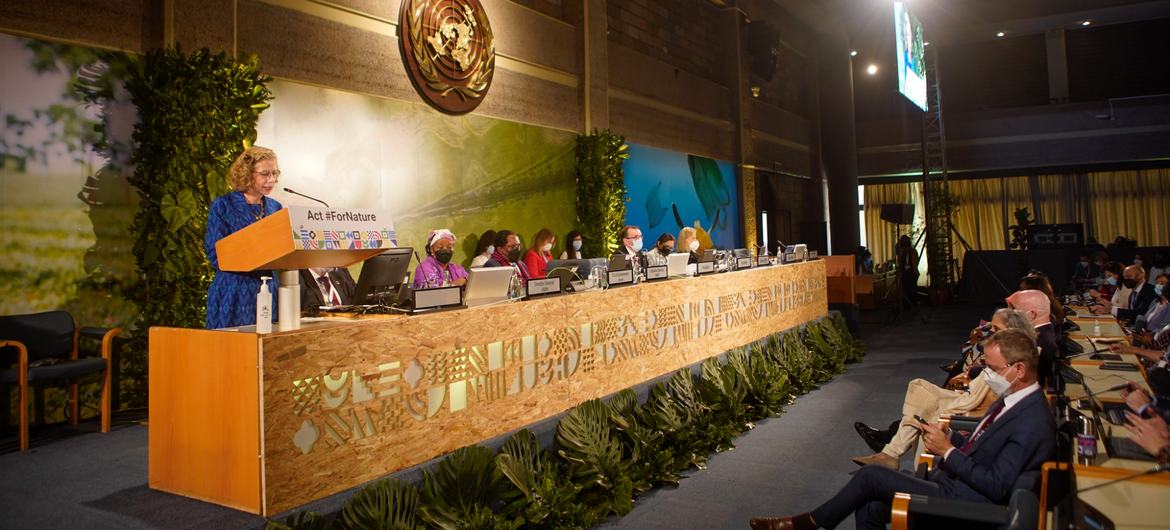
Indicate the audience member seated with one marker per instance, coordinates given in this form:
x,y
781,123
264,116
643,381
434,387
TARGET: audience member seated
x,y
1086,274
1110,294
1036,306
1161,265
1141,294
484,249
931,402
1039,281
1149,415
508,254
437,270
1017,435
326,286
1158,315
662,248
540,253
573,243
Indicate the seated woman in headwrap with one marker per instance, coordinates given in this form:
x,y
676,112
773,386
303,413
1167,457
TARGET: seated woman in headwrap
x,y
437,270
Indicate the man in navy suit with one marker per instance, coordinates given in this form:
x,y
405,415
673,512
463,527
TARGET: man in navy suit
x,y
1018,434
1142,294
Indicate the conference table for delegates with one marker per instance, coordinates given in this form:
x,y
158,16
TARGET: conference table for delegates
x,y
266,423
1131,504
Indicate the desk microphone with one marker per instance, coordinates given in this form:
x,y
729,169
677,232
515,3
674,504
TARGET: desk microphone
x,y
306,196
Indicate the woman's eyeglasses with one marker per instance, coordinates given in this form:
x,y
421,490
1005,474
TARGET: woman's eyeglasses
x,y
268,175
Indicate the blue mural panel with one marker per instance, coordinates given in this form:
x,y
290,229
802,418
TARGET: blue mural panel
x,y
669,190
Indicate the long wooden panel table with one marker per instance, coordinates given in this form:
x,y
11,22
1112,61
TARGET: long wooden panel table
x,y
266,423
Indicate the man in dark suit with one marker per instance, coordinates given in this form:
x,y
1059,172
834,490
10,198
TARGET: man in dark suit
x,y
325,286
1036,305
1142,296
1018,434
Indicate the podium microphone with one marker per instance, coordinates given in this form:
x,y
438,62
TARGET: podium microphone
x,y
306,196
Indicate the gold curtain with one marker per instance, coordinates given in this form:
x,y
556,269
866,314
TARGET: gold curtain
x,y
881,236
1134,204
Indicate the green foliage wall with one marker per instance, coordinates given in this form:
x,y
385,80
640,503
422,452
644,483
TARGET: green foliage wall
x,y
601,190
196,113
607,453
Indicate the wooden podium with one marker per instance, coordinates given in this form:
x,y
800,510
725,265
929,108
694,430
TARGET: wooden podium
x,y
297,238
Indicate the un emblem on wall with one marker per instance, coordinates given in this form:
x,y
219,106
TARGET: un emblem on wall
x,y
449,52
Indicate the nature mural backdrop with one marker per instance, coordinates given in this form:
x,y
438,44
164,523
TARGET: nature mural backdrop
x,y
467,173
669,190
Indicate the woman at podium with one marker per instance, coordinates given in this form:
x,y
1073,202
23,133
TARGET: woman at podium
x,y
231,299
437,270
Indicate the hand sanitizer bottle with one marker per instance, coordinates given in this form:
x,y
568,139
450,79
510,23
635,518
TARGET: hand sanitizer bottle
x,y
1096,328
264,307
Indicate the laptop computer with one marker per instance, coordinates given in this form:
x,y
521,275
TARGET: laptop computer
x,y
676,264
486,285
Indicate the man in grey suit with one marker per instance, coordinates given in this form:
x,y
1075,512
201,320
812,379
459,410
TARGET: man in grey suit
x,y
1017,435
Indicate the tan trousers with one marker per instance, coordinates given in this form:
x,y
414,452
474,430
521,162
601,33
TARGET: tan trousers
x,y
930,401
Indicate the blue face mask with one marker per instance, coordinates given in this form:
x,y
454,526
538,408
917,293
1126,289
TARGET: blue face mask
x,y
1111,281
637,245
1159,289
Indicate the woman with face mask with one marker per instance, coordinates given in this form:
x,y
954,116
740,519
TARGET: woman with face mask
x,y
1104,297
688,241
437,270
540,253
573,244
484,249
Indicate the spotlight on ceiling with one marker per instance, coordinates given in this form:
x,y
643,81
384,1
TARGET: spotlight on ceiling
x,y
1000,34
853,53
926,43
1086,22
871,69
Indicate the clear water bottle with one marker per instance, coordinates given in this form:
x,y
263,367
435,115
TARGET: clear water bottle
x,y
515,285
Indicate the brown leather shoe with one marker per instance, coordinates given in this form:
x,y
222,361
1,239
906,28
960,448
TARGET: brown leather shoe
x,y
877,459
771,523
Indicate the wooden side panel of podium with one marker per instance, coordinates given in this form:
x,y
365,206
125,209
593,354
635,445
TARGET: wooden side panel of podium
x,y
268,244
204,416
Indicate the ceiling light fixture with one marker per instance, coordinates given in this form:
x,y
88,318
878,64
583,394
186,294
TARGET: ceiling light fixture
x,y
871,69
1086,22
1000,34
853,53
926,43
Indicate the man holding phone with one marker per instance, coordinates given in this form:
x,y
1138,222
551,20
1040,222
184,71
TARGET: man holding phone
x,y
1018,434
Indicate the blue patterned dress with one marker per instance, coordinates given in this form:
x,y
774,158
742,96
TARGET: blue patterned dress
x,y
231,299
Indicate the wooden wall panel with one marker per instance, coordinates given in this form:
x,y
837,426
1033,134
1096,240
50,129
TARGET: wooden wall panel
x,y
354,402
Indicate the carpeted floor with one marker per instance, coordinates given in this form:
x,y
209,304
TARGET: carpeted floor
x,y
785,465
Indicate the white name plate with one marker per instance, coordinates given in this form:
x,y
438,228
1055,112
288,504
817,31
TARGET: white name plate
x,y
543,286
812,254
706,267
437,297
790,257
657,272
621,277
743,263
763,261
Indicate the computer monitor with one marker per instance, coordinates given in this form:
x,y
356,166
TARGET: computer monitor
x,y
486,285
383,276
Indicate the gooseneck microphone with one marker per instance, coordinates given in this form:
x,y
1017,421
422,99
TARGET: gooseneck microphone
x,y
289,190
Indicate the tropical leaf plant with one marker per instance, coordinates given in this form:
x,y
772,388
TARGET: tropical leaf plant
x,y
653,461
595,457
686,442
720,390
455,491
300,521
765,384
386,504
548,498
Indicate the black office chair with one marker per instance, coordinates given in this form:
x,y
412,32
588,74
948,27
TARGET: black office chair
x,y
43,346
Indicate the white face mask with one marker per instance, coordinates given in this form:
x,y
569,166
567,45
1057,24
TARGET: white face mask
x,y
997,383
637,245
547,247
577,244
491,249
693,246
